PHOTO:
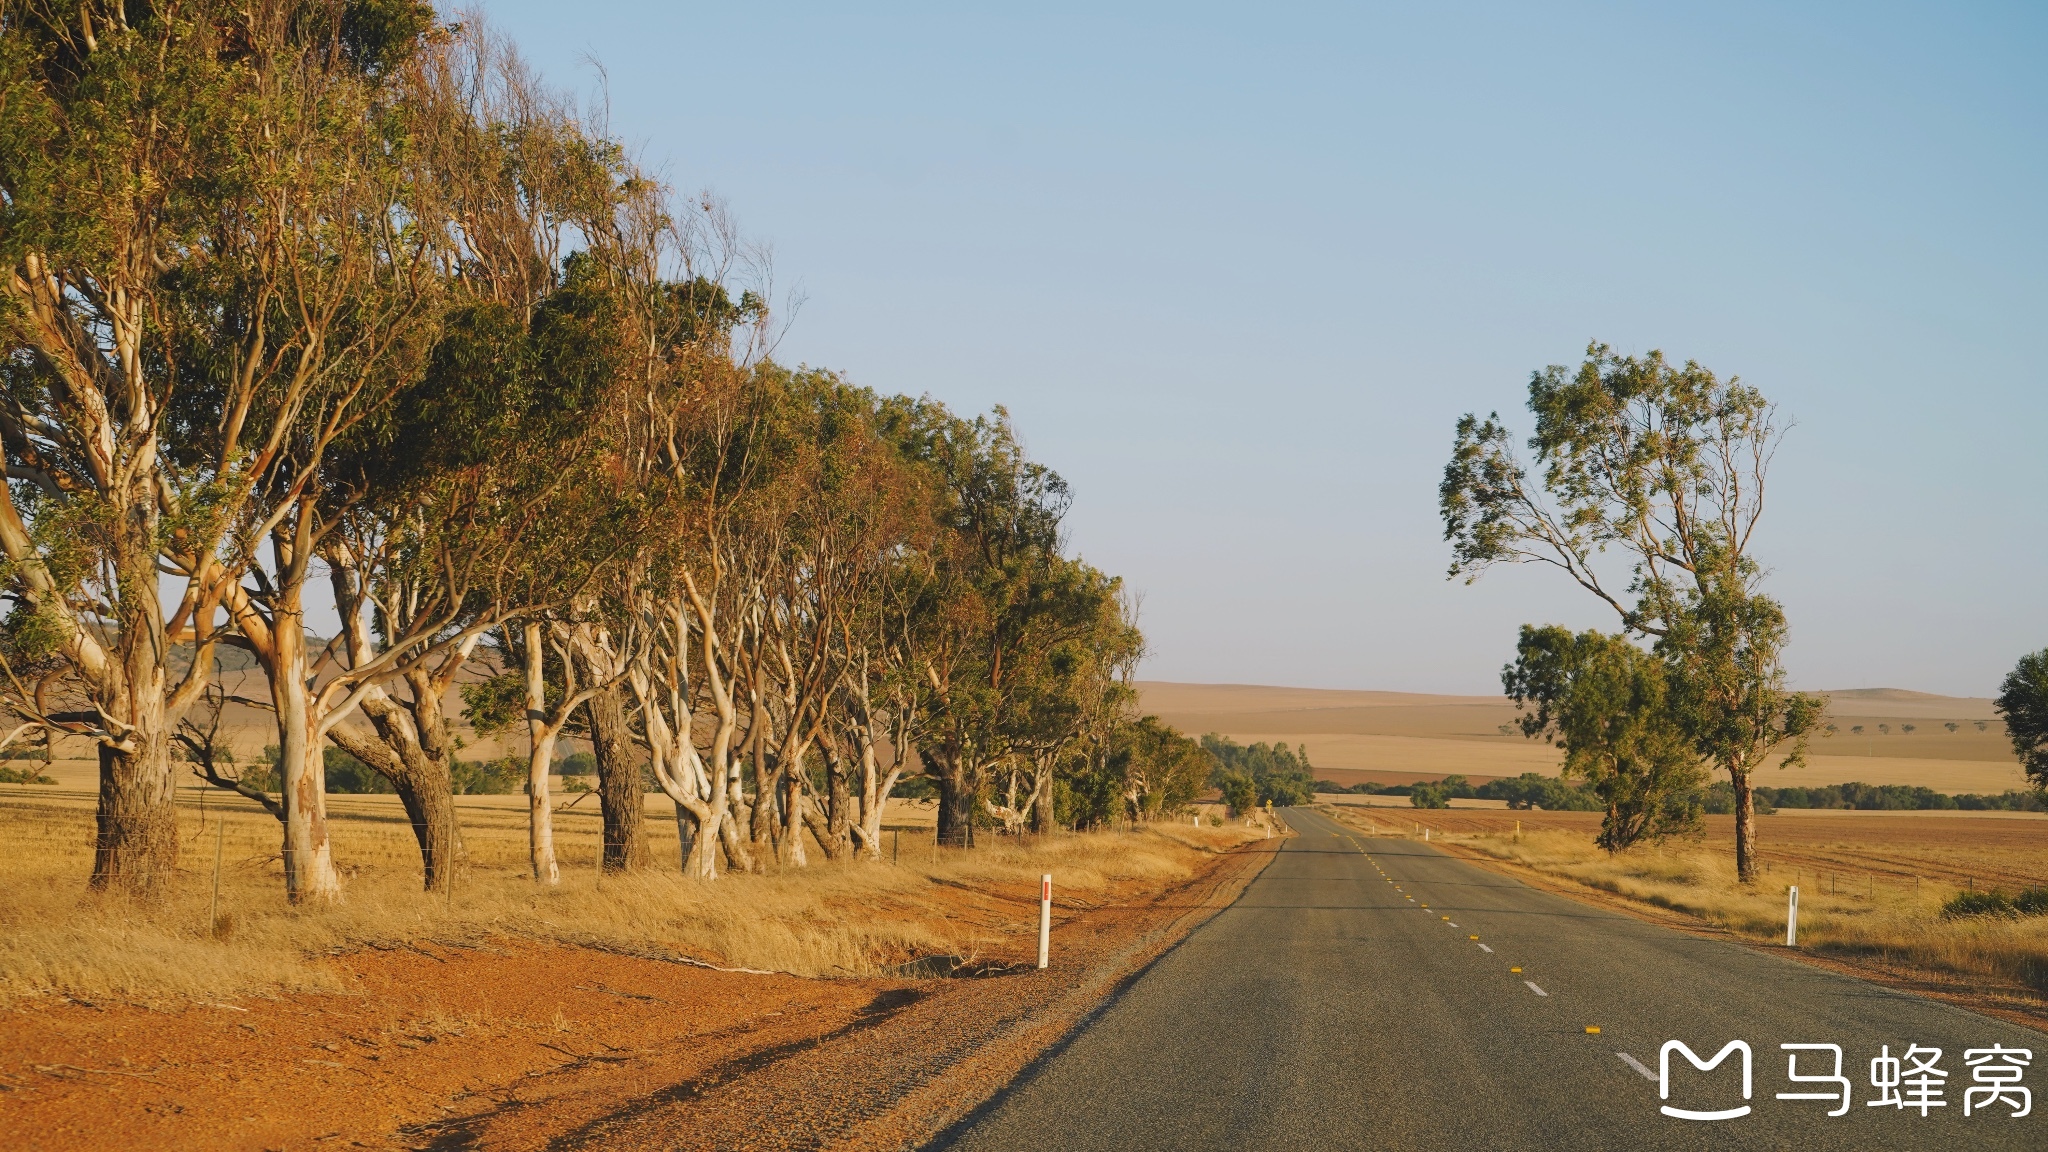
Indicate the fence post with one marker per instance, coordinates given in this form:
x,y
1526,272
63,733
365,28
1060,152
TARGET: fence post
x,y
220,826
1044,919
1792,917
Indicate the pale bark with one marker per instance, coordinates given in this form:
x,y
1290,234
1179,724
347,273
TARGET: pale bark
x,y
661,685
308,855
541,737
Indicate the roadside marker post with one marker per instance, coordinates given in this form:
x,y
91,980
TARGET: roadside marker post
x,y
1792,917
220,831
1044,919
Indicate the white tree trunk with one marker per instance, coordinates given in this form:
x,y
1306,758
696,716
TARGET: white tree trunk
x,y
308,855
540,821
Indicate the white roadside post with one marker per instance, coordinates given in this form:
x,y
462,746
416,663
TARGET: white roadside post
x,y
1044,919
1792,918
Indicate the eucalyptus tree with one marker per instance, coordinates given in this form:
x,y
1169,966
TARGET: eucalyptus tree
x,y
700,443
861,513
1666,465
1606,703
981,592
1073,677
208,283
2023,704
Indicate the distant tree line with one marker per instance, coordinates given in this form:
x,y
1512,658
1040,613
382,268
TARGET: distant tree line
x,y
1259,774
1527,791
1901,797
1532,790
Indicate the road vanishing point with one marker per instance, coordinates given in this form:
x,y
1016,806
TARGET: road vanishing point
x,y
1328,1008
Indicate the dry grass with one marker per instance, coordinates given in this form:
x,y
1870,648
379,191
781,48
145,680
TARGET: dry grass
x,y
58,938
1891,917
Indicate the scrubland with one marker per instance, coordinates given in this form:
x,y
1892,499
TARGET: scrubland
x,y
57,938
1872,884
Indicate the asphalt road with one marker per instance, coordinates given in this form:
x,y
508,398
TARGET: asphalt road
x,y
1329,1008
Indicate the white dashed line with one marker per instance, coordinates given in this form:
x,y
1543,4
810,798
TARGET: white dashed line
x,y
1534,988
1638,1066
1484,948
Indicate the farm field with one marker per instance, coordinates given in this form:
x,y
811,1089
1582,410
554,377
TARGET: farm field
x,y
1400,737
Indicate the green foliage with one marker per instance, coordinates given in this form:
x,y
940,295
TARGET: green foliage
x,y
1666,465
27,775
1607,704
1151,770
1280,774
1528,791
1534,790
575,764
1898,798
499,777
1240,792
2023,704
263,775
496,703
2032,902
1436,795
1719,800
350,776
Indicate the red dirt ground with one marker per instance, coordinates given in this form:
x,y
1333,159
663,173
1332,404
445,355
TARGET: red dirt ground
x,y
521,1046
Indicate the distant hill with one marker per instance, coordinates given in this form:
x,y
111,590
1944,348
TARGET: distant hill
x,y
1413,734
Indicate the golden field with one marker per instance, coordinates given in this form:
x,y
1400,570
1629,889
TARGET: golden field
x,y
1397,737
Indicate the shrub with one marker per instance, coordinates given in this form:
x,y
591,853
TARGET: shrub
x,y
1431,795
28,775
499,777
1240,792
348,775
1978,904
1534,790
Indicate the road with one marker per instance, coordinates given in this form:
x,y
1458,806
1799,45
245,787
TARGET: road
x,y
1342,1003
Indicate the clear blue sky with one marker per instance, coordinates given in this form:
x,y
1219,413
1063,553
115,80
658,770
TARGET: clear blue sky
x,y
1236,272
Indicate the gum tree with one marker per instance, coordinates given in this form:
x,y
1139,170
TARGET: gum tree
x,y
1665,465
1606,703
2023,704
205,284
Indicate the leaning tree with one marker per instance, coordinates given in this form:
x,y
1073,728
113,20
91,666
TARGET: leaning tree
x,y
1665,465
